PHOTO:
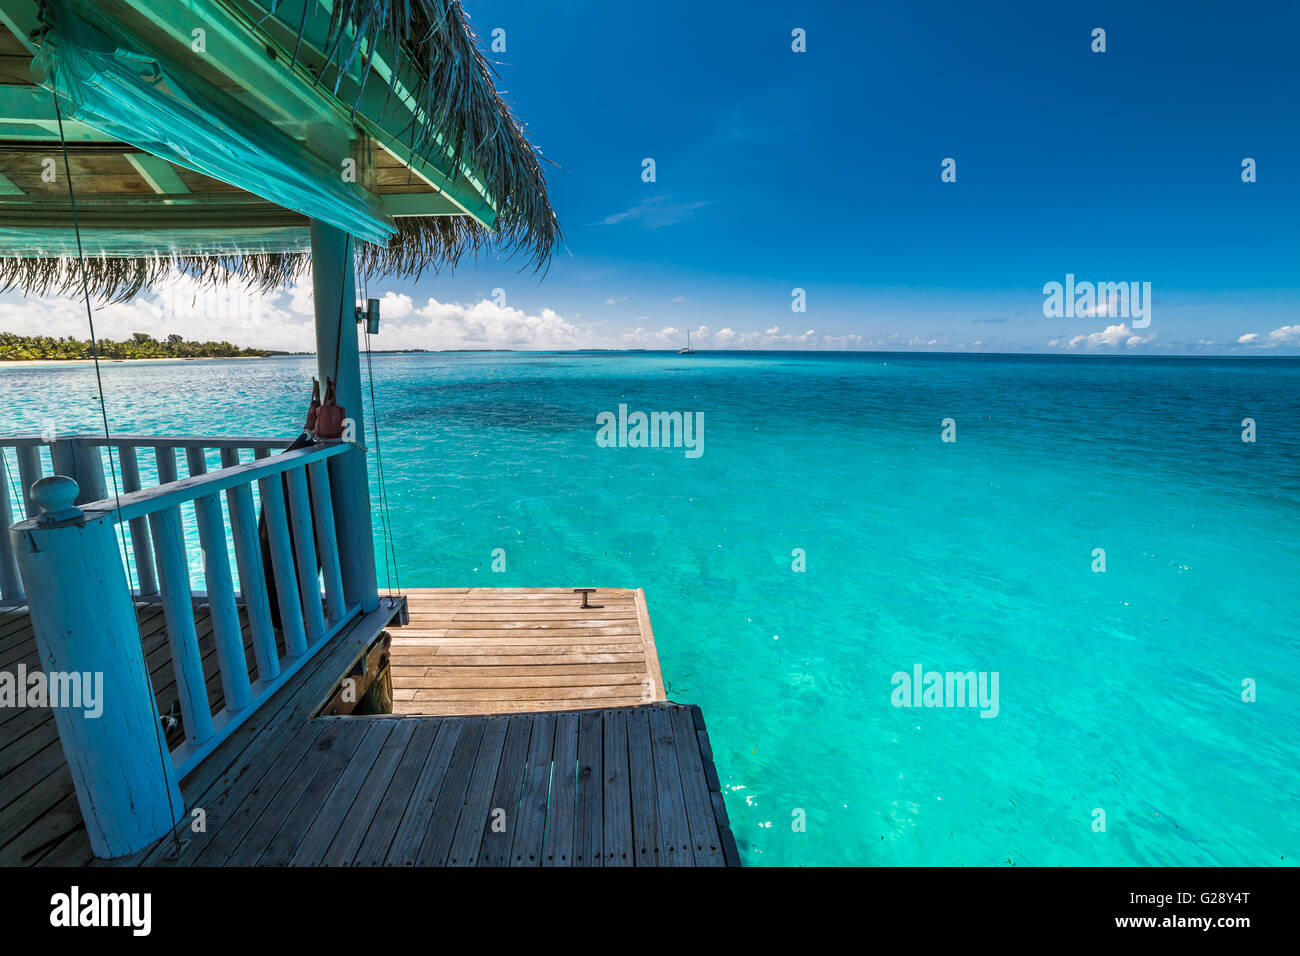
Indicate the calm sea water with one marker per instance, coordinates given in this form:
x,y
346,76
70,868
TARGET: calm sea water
x,y
1118,691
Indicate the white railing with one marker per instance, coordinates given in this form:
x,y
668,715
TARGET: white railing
x,y
298,515
141,461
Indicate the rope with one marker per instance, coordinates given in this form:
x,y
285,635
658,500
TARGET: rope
x,y
385,518
163,754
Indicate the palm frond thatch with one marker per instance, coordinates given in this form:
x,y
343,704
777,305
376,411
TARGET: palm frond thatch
x,y
422,242
459,95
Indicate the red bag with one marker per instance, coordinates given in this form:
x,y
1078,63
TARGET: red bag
x,y
314,408
329,420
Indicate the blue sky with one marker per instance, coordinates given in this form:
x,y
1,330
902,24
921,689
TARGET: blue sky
x,y
820,170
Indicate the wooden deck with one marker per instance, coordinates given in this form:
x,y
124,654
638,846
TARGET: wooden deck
x,y
575,768
509,650
615,787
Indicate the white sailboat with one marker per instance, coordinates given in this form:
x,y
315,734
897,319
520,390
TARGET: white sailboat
x,y
688,350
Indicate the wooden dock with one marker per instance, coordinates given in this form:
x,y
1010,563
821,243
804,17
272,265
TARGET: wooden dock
x,y
542,739
612,787
508,650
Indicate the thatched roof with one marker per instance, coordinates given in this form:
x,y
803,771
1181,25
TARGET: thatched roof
x,y
467,121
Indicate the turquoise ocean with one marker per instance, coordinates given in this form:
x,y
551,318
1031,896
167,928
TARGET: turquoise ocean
x,y
1119,692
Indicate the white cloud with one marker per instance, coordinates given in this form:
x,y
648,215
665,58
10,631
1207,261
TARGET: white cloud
x,y
395,306
1103,308
482,325
1113,336
615,301
655,212
703,337
1286,335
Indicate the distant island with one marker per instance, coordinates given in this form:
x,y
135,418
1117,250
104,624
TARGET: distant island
x,y
35,348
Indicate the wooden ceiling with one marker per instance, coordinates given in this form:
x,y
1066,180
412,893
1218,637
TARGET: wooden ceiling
x,y
113,169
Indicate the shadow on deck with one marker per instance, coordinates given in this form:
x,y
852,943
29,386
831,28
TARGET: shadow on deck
x,y
610,787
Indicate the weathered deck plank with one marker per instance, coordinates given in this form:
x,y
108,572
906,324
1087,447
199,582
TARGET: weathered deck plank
x,y
674,832
641,787
346,843
507,795
559,812
617,824
589,807
575,788
439,827
526,842
408,833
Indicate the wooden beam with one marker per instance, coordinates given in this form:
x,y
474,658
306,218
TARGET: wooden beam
x,y
7,188
22,17
158,173
419,204
27,113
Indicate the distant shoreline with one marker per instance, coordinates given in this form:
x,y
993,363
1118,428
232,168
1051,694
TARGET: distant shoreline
x,y
24,363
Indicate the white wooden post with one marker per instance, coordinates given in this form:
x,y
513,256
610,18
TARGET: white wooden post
x,y
83,465
305,549
144,574
252,576
178,612
11,585
334,290
286,574
29,472
85,624
326,539
222,610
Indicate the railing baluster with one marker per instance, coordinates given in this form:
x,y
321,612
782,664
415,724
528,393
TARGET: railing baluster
x,y
11,585
252,577
166,457
178,611
83,464
286,576
226,631
139,526
29,472
327,543
305,548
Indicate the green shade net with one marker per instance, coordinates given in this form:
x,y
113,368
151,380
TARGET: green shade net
x,y
112,83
